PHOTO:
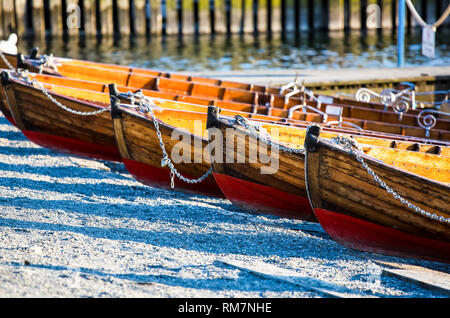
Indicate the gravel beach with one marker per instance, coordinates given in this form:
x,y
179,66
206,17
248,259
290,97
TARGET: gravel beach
x,y
73,227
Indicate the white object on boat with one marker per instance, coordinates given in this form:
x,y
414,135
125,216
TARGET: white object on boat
x,y
9,46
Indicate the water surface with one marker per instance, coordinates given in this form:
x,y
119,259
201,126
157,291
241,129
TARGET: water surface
x,y
307,50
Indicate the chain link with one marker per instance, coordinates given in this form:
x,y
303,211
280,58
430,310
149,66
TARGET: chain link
x,y
350,144
254,131
26,77
147,105
5,60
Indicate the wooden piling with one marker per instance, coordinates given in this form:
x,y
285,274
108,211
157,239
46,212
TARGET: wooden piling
x,y
1,20
261,15
55,18
220,16
140,20
297,14
72,21
247,18
188,18
386,14
304,15
106,17
317,15
235,15
204,20
21,26
89,18
38,19
171,17
355,14
123,7
275,15
289,13
156,17
335,15
372,15
9,24
129,17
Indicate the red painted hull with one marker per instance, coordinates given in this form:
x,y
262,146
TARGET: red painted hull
x,y
263,199
74,146
159,177
370,237
11,120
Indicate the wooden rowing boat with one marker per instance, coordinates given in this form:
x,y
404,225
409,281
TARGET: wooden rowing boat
x,y
141,143
50,126
380,122
283,192
358,212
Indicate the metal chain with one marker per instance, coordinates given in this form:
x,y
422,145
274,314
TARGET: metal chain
x,y
147,105
24,75
350,144
5,60
254,131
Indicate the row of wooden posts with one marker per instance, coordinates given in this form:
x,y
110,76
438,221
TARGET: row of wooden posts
x,y
41,18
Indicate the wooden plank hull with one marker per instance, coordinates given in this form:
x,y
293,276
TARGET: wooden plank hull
x,y
241,180
283,193
65,66
49,126
11,58
141,151
358,213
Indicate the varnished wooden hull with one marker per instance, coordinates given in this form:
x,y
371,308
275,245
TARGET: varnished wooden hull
x,y
44,123
358,213
140,149
284,193
11,58
4,108
243,183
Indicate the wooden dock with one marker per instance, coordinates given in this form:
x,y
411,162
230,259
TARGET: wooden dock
x,y
54,18
333,81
